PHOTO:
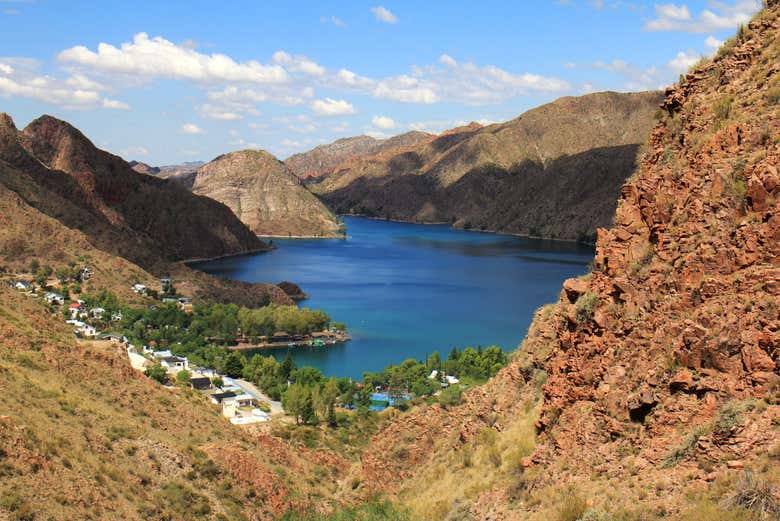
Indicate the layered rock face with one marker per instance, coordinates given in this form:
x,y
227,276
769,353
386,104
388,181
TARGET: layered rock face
x,y
311,166
265,195
555,171
659,370
57,170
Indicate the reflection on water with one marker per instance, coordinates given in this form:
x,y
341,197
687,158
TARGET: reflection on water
x,y
406,290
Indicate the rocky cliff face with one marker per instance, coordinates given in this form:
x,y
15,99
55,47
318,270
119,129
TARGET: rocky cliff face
x,y
658,372
57,170
312,165
265,195
555,171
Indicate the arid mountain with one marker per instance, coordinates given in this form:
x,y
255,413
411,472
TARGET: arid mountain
x,y
54,168
555,171
312,165
650,389
183,174
265,195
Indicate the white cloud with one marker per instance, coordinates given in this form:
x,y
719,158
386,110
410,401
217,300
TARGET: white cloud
x,y
192,129
135,152
446,59
298,64
384,15
406,89
684,61
712,43
332,107
347,78
720,16
6,69
332,20
383,122
209,111
159,58
79,81
115,104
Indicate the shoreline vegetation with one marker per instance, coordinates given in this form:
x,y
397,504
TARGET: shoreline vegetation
x,y
322,338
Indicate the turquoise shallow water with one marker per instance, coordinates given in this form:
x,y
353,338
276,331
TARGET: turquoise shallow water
x,y
405,290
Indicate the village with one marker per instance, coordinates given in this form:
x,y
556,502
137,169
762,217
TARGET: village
x,y
247,391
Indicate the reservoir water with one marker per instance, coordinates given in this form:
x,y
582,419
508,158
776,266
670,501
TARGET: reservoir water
x,y
406,290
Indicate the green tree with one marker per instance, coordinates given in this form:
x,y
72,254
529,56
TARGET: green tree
x,y
233,365
157,372
329,395
294,401
288,366
183,377
217,382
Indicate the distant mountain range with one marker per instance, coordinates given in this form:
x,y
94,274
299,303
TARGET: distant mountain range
x,y
554,171
265,195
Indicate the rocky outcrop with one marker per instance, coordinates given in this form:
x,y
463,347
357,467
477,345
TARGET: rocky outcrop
x,y
265,195
312,165
57,170
661,367
555,171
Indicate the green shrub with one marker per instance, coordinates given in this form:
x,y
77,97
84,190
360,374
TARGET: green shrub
x,y
756,495
585,307
688,444
722,107
572,506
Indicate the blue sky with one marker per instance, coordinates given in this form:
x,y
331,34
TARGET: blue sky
x,y
167,82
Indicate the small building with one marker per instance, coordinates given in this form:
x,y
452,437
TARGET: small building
x,y
170,300
160,354
280,336
165,285
119,338
185,306
117,316
54,299
76,310
23,286
206,371
174,364
97,313
85,274
200,383
218,398
87,331
139,289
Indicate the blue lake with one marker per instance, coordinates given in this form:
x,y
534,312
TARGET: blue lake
x,y
406,290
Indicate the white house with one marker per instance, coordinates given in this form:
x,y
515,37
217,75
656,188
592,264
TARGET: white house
x,y
23,286
140,289
174,364
162,354
97,313
87,331
116,317
54,299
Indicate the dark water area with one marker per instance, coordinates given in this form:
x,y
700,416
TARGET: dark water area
x,y
406,290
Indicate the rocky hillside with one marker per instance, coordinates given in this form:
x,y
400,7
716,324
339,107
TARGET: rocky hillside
x,y
555,171
57,170
651,388
183,174
312,165
85,436
265,195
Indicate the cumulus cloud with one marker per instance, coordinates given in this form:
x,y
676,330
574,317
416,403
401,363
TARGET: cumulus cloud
x,y
209,111
332,107
384,15
135,151
446,59
712,43
333,20
720,16
192,129
79,81
298,64
159,58
20,78
684,61
383,122
115,104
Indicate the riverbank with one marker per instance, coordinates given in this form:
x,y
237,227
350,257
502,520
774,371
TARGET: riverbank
x,y
319,339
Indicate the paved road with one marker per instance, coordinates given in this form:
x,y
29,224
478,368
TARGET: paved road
x,y
250,388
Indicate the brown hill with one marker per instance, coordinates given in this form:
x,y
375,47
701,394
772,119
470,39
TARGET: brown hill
x,y
555,171
650,390
265,195
312,165
53,167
